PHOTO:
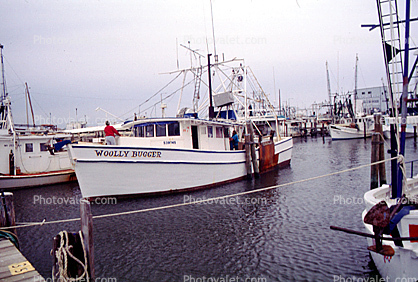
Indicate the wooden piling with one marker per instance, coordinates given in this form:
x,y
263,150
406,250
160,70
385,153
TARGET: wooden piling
x,y
248,156
256,170
378,172
87,230
7,211
364,129
415,133
374,182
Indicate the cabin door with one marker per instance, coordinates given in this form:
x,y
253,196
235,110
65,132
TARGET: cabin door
x,y
195,139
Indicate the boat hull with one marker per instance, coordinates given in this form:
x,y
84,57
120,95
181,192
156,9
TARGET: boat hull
x,y
403,265
116,170
343,132
11,182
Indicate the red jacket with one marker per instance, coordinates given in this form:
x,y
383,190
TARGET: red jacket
x,y
110,131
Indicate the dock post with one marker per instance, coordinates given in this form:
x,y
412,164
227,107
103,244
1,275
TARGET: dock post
x,y
87,230
256,169
248,156
381,148
374,182
364,129
415,133
7,211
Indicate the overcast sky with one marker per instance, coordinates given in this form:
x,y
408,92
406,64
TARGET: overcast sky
x,y
109,54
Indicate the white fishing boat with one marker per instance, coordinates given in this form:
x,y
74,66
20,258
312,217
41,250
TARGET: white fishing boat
x,y
362,128
410,130
30,156
402,260
391,214
182,152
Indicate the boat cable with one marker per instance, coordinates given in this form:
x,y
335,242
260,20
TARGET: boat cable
x,y
29,224
152,95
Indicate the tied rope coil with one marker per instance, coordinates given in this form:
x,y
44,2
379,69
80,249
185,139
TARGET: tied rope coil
x,y
62,254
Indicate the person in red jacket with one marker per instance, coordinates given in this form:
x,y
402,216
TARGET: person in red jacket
x,y
110,132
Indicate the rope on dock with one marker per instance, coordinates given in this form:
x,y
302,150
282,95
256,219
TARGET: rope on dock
x,y
400,158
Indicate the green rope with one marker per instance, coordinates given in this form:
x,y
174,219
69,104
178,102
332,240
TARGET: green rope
x,y
9,236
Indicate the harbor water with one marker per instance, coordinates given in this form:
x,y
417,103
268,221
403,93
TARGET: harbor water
x,y
280,234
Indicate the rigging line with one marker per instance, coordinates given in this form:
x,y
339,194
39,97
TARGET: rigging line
x,y
169,95
204,200
128,112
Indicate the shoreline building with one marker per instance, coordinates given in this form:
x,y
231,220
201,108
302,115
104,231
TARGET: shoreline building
x,y
372,100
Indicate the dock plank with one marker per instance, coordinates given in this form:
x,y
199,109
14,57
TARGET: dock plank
x,y
9,255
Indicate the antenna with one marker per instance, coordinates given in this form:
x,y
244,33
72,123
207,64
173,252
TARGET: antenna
x,y
213,33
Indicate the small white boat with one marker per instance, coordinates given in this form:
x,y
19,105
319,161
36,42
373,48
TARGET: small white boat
x,y
363,127
165,155
411,124
30,157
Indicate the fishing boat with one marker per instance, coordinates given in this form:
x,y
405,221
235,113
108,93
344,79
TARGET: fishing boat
x,y
168,154
30,156
361,128
391,213
410,130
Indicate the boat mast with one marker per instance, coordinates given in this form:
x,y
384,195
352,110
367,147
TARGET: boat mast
x,y
355,86
404,97
211,109
3,94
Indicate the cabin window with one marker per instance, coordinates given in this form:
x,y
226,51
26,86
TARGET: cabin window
x,y
149,130
226,132
160,130
139,131
219,132
29,147
210,131
174,129
44,147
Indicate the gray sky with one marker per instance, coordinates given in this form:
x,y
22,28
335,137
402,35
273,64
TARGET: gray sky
x,y
86,54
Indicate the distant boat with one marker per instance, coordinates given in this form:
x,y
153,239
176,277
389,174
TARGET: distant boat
x,y
170,154
30,156
411,125
363,127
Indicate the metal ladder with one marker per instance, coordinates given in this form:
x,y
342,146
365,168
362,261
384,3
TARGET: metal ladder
x,y
196,95
392,46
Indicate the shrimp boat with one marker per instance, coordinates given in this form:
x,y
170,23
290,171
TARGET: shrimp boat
x,y
391,210
29,156
391,214
168,154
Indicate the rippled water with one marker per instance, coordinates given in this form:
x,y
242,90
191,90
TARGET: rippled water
x,y
281,234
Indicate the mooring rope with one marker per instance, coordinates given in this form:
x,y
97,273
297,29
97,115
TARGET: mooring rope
x,y
400,159
62,253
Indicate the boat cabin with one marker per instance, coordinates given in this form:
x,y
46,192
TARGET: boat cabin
x,y
185,133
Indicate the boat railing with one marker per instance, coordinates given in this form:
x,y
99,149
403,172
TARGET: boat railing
x,y
412,166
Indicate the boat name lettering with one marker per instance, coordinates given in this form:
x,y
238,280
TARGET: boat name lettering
x,y
108,153
125,154
146,154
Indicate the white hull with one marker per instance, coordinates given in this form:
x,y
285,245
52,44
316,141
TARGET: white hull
x,y
403,265
339,132
36,179
118,170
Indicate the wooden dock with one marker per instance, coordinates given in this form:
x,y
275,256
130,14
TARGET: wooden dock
x,y
14,266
